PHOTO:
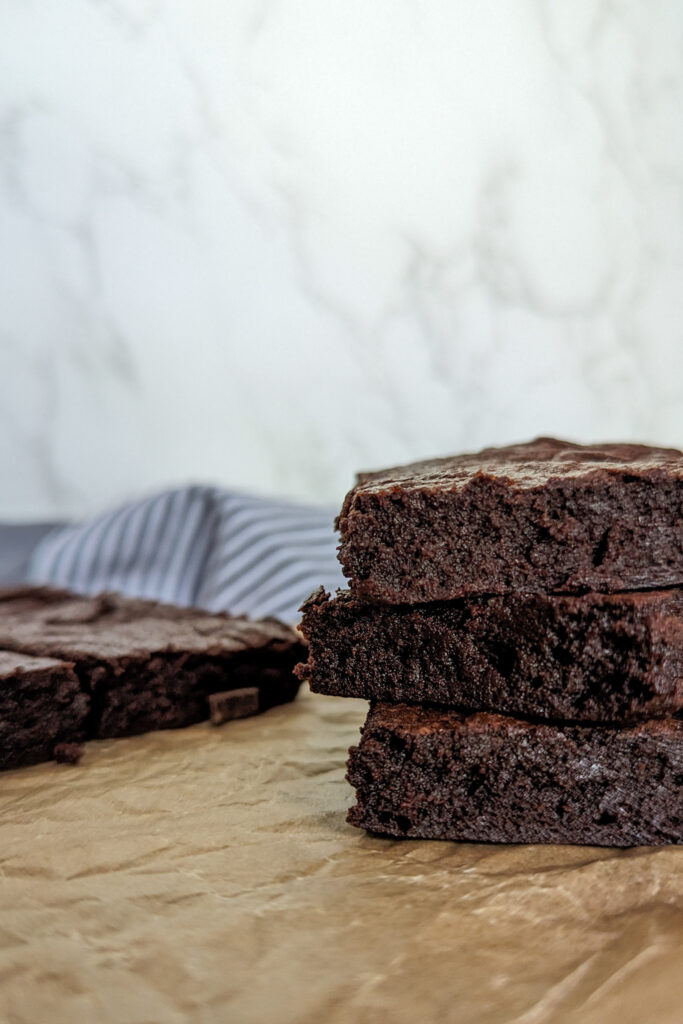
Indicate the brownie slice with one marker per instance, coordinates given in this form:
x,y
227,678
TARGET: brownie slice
x,y
592,658
42,708
436,774
148,665
537,517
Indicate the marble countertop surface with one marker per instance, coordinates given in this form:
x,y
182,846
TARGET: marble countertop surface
x,y
268,243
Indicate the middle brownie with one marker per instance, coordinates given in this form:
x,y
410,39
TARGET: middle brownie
x,y
588,658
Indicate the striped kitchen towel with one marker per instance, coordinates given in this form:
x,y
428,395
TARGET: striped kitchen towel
x,y
198,546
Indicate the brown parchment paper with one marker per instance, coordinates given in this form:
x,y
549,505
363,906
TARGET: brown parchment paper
x,y
209,875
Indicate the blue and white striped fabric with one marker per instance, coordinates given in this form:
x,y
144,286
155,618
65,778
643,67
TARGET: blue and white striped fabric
x,y
198,546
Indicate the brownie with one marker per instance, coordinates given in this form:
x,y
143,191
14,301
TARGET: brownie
x,y
42,708
438,774
147,665
592,658
537,517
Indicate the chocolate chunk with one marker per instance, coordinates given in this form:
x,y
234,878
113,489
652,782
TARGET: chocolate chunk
x,y
233,704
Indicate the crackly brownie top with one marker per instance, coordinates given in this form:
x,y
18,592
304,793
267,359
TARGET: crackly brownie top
x,y
46,622
415,720
13,663
525,465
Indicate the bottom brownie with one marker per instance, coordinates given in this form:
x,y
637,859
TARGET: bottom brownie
x,y
434,774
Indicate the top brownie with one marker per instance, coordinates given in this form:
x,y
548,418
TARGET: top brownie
x,y
544,516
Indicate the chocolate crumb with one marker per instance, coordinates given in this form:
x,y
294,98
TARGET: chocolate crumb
x,y
68,753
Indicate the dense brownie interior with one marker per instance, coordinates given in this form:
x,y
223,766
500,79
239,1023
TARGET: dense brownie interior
x,y
435,774
172,690
545,516
42,705
593,657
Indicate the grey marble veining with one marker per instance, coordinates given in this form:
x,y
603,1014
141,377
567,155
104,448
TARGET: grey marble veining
x,y
267,243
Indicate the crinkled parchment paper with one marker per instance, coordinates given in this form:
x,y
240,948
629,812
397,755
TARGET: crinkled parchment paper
x,y
209,875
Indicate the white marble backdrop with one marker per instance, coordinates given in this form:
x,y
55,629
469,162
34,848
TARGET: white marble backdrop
x,y
269,242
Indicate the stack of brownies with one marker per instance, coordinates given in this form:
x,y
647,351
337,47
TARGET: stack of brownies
x,y
515,618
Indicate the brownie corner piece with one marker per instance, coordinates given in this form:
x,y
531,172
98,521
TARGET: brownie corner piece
x,y
547,515
42,708
435,774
